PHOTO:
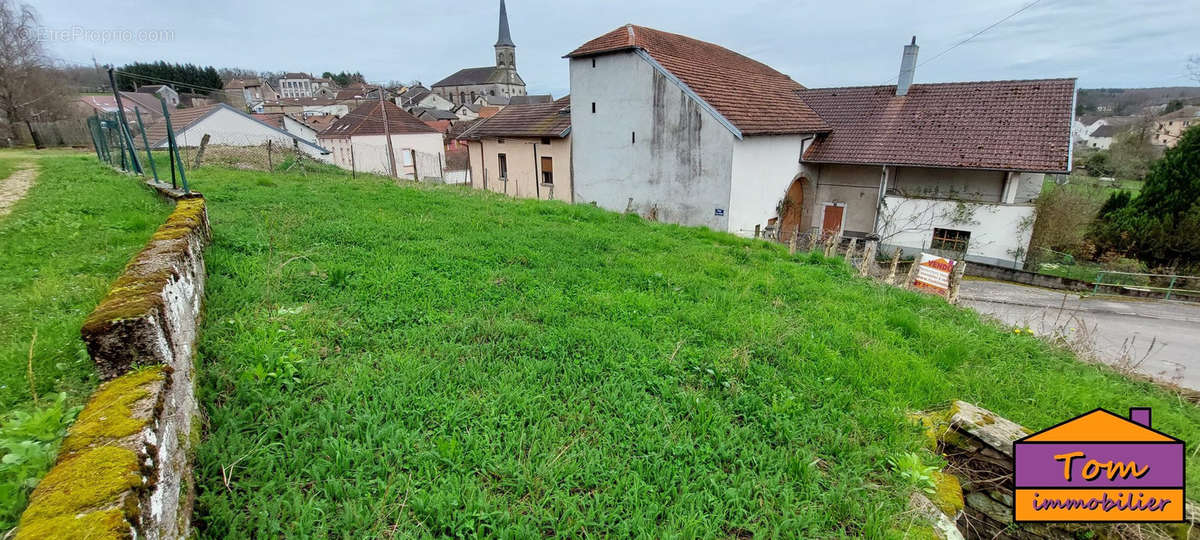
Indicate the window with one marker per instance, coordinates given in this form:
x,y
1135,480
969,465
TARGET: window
x,y
503,166
407,157
499,141
547,170
593,107
546,141
951,240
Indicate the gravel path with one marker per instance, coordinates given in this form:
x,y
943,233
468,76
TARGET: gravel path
x,y
13,188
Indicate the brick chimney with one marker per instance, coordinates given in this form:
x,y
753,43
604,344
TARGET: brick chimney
x,y
908,68
1140,415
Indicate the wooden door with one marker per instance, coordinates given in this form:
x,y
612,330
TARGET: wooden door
x,y
832,224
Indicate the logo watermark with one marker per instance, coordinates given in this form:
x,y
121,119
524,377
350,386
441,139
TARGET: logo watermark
x,y
106,35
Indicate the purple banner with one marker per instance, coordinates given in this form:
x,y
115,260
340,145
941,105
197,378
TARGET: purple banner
x,y
1132,465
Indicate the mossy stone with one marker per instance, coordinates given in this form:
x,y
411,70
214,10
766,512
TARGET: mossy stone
x,y
89,482
108,415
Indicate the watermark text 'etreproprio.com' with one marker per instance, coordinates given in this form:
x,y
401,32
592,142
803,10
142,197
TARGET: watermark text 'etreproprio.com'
x,y
107,35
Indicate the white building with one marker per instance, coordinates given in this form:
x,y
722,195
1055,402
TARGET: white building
x,y
692,133
227,126
358,142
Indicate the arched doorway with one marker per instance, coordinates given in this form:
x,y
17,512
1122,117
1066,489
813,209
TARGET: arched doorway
x,y
791,209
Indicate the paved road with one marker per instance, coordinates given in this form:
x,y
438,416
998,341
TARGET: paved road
x,y
1119,327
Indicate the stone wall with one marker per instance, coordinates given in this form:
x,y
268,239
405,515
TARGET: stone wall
x,y
124,469
1013,275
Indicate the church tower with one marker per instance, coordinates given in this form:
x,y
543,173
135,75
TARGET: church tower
x,y
506,50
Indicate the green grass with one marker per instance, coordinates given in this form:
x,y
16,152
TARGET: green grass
x,y
380,359
7,166
1082,181
60,249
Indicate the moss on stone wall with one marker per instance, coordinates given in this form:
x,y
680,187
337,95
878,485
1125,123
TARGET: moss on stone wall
x,y
84,492
109,415
139,289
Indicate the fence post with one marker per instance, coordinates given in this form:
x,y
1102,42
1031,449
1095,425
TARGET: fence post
x,y
122,125
174,145
956,277
851,250
868,257
416,173
92,131
757,230
200,153
891,278
1170,287
270,166
353,174
912,271
794,240
1099,280
149,155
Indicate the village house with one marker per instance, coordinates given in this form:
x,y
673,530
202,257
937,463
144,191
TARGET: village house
x,y
305,107
466,111
166,92
1169,127
419,97
289,124
499,80
692,133
227,126
523,151
359,142
249,94
303,85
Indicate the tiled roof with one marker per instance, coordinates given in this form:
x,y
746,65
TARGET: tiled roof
x,y
757,99
313,101
488,111
479,75
1005,125
1107,130
458,128
147,103
532,98
320,122
156,132
271,119
295,75
367,119
532,120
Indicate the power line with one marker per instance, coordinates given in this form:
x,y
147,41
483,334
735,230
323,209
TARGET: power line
x,y
977,34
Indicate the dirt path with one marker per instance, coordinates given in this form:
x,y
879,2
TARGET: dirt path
x,y
13,188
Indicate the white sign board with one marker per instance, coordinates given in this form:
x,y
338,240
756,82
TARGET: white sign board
x,y
933,274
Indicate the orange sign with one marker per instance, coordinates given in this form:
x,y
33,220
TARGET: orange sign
x,y
933,274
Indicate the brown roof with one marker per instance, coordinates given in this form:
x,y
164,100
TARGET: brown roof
x,y
460,127
320,122
488,111
271,119
533,120
1005,125
367,119
757,99
146,103
156,132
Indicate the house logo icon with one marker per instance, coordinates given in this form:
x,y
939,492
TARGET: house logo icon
x,y
1099,467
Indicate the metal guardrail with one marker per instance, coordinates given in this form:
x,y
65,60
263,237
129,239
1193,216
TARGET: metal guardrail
x,y
1172,281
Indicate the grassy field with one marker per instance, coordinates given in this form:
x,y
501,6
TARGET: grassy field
x,y
408,360
60,249
7,166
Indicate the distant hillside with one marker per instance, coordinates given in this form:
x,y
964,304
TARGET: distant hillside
x,y
1125,101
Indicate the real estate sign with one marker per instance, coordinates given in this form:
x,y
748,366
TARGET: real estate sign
x,y
933,274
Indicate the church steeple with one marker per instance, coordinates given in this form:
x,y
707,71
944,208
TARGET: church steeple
x,y
506,50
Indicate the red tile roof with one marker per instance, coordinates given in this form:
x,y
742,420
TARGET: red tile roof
x,y
757,99
271,119
181,119
1005,125
367,119
533,120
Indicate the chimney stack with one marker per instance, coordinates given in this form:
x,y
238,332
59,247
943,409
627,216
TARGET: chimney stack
x,y
908,68
1140,415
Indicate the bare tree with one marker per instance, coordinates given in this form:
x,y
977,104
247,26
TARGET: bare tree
x,y
30,89
1194,67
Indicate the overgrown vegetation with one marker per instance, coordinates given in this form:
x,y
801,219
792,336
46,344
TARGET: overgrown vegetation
x,y
1161,225
61,247
414,361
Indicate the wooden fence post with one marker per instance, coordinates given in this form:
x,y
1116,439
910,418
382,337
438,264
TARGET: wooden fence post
x,y
794,240
200,152
270,166
956,277
891,278
912,272
757,230
868,258
812,242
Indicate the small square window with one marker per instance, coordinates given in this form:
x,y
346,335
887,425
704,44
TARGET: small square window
x,y
546,141
951,240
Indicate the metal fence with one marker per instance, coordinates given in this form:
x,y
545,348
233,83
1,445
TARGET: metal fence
x,y
125,146
1111,282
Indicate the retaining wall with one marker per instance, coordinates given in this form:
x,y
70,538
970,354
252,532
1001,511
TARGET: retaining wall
x,y
124,469
1067,284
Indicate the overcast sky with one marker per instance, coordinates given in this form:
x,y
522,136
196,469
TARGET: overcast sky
x,y
1105,43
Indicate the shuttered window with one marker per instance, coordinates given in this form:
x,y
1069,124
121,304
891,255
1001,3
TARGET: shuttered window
x,y
547,170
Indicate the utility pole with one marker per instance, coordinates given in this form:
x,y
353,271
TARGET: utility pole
x,y
387,132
